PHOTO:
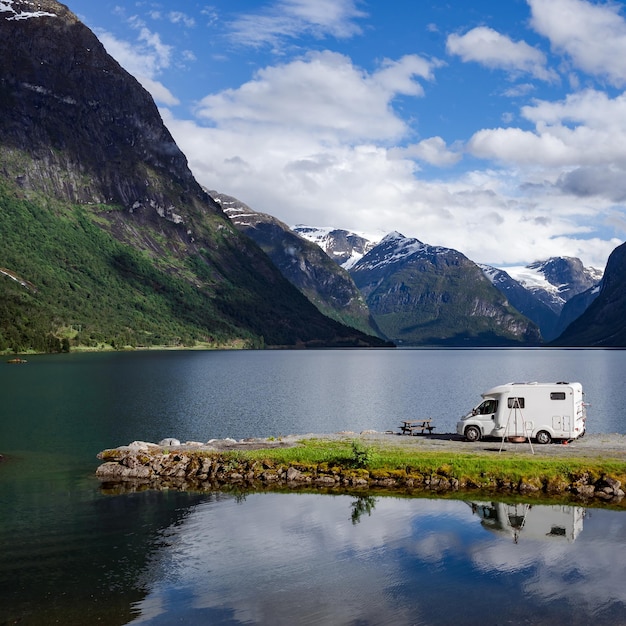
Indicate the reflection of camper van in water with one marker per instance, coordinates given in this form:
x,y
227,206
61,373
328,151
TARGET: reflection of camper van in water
x,y
529,521
543,411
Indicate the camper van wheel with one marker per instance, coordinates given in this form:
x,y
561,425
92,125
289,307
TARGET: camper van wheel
x,y
543,436
472,433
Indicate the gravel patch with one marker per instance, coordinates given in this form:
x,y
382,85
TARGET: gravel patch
x,y
590,446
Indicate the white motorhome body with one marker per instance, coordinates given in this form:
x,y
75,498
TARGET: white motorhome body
x,y
542,411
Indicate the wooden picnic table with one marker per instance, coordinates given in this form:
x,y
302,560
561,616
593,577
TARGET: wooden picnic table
x,y
416,427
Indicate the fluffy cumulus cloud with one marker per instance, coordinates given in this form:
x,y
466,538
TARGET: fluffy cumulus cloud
x,y
323,94
584,133
592,35
315,141
432,150
489,47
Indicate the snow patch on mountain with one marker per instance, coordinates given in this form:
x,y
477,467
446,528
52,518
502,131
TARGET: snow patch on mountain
x,y
6,6
346,248
393,248
492,273
531,278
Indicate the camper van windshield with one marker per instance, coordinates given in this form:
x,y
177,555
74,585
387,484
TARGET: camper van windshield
x,y
488,406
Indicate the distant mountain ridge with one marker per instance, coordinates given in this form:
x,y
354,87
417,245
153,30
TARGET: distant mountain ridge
x,y
540,291
325,283
556,280
431,295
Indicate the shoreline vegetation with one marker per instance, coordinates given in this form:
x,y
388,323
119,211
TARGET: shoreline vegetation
x,y
372,462
106,347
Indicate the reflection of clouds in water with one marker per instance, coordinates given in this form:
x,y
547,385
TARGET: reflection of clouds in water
x,y
274,556
288,555
591,576
570,578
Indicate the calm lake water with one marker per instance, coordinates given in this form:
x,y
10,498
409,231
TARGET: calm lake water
x,y
74,555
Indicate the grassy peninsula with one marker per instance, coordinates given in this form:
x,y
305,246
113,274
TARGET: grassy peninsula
x,y
390,463
474,470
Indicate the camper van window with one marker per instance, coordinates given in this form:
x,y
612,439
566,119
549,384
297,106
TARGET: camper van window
x,y
516,403
557,395
487,407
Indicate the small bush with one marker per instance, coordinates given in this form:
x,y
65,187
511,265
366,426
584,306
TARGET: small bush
x,y
362,456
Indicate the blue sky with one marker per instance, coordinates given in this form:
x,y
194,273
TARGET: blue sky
x,y
495,128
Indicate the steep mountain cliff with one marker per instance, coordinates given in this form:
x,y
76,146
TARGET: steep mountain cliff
x,y
602,324
427,295
574,308
327,285
100,213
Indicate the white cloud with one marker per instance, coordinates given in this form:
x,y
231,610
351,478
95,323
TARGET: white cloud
x,y
158,91
593,35
318,140
323,94
494,50
587,128
287,19
301,179
432,150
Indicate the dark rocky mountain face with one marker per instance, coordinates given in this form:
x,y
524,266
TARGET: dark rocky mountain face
x,y
573,309
132,246
426,295
303,263
90,132
603,322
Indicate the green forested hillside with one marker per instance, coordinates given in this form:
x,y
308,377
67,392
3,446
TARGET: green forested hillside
x,y
90,288
83,287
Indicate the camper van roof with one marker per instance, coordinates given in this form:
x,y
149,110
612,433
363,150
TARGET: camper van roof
x,y
509,387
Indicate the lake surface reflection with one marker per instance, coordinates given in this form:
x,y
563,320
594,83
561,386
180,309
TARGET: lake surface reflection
x,y
74,555
318,559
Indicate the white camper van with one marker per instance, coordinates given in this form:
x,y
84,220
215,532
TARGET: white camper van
x,y
542,411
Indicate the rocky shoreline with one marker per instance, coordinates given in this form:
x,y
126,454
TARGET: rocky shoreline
x,y
171,464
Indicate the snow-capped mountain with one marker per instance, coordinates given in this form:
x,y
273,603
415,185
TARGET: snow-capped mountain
x,y
556,280
541,290
421,294
525,300
429,295
342,246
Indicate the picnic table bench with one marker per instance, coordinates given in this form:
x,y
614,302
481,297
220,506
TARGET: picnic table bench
x,y
416,427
